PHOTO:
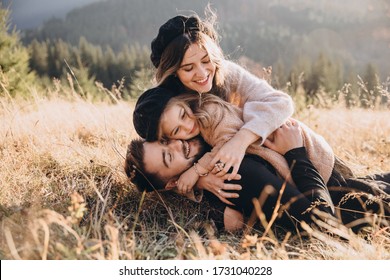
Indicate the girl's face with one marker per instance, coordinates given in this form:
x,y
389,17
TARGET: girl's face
x,y
178,122
196,71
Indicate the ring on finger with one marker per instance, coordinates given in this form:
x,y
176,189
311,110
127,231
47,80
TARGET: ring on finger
x,y
219,166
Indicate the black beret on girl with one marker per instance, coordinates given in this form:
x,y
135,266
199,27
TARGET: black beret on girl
x,y
148,109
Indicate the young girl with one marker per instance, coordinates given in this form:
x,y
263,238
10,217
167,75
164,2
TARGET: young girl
x,y
187,115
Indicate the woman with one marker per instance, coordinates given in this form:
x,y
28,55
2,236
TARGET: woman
x,y
187,57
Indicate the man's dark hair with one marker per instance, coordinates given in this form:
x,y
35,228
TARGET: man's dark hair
x,y
135,168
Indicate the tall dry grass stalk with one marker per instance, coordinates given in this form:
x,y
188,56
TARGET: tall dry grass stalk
x,y
64,194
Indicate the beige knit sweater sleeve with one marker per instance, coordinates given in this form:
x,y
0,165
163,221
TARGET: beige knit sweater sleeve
x,y
264,108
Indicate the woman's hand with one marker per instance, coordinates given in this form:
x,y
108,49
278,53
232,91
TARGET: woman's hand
x,y
232,153
217,186
285,138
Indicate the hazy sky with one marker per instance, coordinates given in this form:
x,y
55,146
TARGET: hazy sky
x,y
32,13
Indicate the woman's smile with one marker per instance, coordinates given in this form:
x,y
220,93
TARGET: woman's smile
x,y
203,81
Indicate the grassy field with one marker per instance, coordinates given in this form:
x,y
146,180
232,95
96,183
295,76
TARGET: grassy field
x,y
64,195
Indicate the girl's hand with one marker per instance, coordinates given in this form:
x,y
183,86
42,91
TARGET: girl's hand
x,y
187,181
232,153
217,186
285,138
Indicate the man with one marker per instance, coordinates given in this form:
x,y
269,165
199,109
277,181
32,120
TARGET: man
x,y
156,166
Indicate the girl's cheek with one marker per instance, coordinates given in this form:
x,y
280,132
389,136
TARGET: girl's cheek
x,y
179,136
185,136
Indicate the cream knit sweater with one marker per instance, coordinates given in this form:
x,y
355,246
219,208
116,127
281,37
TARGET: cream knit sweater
x,y
264,108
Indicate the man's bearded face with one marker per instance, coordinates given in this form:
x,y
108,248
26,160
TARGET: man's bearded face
x,y
172,159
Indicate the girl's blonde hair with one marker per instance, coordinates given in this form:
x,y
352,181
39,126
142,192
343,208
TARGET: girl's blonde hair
x,y
196,105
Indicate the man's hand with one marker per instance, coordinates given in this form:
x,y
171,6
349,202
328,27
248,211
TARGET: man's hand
x,y
219,188
285,138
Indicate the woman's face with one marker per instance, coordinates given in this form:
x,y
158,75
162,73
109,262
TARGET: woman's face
x,y
196,71
178,122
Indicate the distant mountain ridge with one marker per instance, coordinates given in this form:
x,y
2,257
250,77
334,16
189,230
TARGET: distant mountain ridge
x,y
33,13
354,31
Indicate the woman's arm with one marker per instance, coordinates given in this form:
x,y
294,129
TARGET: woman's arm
x,y
264,108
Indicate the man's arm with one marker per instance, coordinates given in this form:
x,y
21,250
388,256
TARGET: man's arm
x,y
307,179
259,182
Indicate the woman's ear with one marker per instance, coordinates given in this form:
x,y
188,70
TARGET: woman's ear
x,y
172,183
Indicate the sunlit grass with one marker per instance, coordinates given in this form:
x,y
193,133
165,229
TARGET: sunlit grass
x,y
64,194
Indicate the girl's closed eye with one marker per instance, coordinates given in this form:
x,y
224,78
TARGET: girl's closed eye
x,y
183,114
176,131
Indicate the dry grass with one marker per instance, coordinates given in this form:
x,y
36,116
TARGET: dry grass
x,y
64,195
360,137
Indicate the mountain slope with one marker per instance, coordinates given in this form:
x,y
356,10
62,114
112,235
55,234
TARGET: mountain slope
x,y
354,31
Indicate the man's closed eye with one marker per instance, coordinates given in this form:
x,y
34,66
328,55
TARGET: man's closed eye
x,y
167,159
